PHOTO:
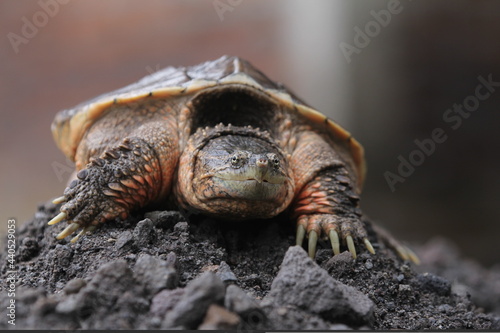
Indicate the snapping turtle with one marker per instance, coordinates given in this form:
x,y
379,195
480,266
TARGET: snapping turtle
x,y
223,140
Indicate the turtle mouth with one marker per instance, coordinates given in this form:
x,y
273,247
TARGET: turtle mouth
x,y
250,174
249,189
251,184
256,178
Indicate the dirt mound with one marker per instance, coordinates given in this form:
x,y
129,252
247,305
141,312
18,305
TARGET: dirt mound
x,y
156,270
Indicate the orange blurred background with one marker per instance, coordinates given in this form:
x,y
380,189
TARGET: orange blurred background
x,y
393,87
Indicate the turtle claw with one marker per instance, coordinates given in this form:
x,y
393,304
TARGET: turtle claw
x,y
350,246
407,254
71,228
313,241
301,233
59,200
58,218
402,251
90,228
403,254
334,239
413,257
317,225
369,246
349,229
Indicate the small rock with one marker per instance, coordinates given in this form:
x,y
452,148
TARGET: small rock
x,y
74,286
28,249
172,260
109,283
495,324
218,318
266,302
404,288
144,233
210,268
339,263
112,274
125,241
44,306
165,219
181,227
253,280
68,305
199,294
435,284
238,301
461,294
295,319
130,257
165,301
154,274
323,255
130,302
28,295
406,270
444,308
302,283
225,274
460,290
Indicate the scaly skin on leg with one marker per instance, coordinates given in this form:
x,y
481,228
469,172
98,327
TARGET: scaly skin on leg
x,y
122,179
327,205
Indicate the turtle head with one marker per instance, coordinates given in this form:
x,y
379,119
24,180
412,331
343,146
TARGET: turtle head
x,y
247,174
239,176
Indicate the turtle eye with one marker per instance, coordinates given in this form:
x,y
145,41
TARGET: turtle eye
x,y
275,160
238,159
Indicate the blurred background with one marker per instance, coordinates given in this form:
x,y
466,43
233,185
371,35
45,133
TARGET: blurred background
x,y
388,71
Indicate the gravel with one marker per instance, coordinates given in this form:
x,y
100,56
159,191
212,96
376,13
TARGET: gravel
x,y
159,271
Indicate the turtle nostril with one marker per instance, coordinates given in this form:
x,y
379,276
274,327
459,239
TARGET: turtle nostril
x,y
261,162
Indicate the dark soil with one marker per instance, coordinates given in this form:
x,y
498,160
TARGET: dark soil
x,y
158,271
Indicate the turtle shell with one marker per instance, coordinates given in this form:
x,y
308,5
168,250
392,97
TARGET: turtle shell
x,y
70,125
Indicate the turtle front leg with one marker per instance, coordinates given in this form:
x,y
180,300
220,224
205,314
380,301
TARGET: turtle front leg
x,y
120,180
328,206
